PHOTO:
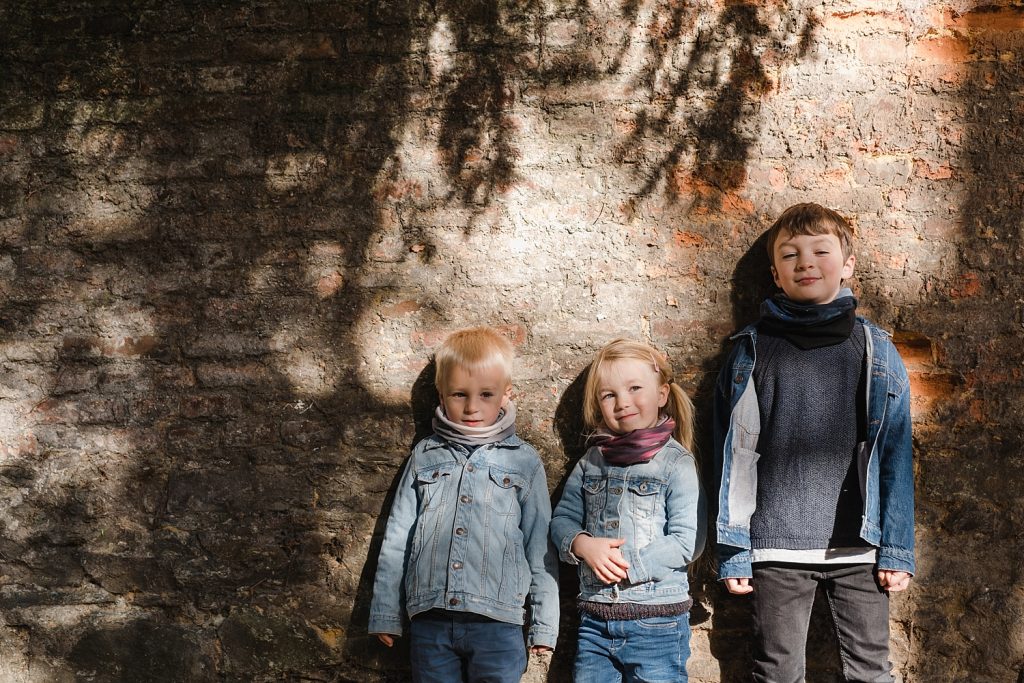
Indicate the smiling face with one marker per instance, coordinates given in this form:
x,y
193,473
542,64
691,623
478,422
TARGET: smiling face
x,y
474,398
630,394
810,269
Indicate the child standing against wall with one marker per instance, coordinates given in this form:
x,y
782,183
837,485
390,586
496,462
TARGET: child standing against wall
x,y
466,544
813,445
632,517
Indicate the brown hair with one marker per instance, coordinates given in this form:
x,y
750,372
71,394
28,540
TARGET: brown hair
x,y
679,406
810,219
472,348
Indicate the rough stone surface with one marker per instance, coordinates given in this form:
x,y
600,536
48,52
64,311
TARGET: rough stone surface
x,y
231,235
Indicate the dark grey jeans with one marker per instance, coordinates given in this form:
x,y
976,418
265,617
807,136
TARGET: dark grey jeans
x,y
783,596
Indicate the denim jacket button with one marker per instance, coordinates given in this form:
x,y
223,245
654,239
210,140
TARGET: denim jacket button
x,y
617,490
643,487
506,481
434,475
456,565
453,602
460,531
613,524
469,467
464,498
739,378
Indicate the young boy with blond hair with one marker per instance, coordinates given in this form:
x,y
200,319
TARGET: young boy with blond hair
x,y
813,448
466,547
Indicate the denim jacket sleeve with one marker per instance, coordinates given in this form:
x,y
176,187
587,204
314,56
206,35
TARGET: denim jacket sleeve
x,y
685,525
387,608
733,562
896,477
540,555
567,519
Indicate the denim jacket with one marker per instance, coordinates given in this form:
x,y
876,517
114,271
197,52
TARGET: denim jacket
x,y
468,532
884,461
657,506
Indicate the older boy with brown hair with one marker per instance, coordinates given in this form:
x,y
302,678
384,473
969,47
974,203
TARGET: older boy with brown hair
x,y
813,447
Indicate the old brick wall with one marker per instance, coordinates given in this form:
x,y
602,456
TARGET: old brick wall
x,y
231,233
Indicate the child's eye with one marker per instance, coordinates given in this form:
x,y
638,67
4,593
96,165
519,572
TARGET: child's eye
x,y
487,394
821,253
788,256
607,395
458,394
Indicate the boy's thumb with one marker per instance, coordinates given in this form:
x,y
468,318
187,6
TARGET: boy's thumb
x,y
616,542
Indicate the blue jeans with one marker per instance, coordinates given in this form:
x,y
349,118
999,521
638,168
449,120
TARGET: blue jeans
x,y
783,596
642,650
446,648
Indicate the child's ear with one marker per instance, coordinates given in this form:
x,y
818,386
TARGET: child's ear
x,y
848,267
775,276
507,396
663,395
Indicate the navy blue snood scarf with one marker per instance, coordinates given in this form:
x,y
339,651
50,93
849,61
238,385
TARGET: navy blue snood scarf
x,y
809,326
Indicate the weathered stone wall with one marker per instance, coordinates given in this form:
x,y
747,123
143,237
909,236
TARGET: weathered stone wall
x,y
231,233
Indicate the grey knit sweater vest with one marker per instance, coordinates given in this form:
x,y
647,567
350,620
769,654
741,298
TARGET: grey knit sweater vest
x,y
812,417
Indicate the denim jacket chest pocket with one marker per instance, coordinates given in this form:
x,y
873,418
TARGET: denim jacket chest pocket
x,y
433,487
646,508
504,490
595,496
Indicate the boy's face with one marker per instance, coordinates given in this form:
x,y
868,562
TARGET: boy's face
x,y
631,395
810,269
475,398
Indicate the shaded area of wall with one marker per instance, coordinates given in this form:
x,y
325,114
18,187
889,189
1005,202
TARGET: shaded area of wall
x,y
231,235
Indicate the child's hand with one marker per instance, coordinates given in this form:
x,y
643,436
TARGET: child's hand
x,y
893,581
539,649
739,586
386,639
603,556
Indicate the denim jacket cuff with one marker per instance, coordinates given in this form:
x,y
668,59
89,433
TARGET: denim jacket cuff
x,y
564,551
896,559
734,564
384,624
540,636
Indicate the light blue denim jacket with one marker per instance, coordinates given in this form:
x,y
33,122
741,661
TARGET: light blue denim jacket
x,y
657,506
469,533
884,461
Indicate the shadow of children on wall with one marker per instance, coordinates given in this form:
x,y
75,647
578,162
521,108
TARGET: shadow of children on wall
x,y
572,434
362,646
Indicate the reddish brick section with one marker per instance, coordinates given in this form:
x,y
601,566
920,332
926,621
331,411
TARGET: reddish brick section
x,y
232,234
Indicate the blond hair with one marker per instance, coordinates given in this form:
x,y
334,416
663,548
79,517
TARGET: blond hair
x,y
811,219
472,348
679,406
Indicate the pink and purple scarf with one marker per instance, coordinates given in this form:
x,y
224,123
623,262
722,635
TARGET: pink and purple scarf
x,y
639,445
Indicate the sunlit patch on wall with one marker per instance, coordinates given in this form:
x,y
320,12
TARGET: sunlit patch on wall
x,y
308,359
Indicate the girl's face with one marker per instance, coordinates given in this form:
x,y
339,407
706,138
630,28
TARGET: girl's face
x,y
631,395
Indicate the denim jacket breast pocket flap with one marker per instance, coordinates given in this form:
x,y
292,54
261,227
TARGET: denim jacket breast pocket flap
x,y
508,485
644,495
431,481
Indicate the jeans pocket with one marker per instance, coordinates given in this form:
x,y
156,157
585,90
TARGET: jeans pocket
x,y
658,623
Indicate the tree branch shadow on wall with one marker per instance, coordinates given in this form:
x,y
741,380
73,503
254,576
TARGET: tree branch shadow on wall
x,y
708,108
227,501
217,516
